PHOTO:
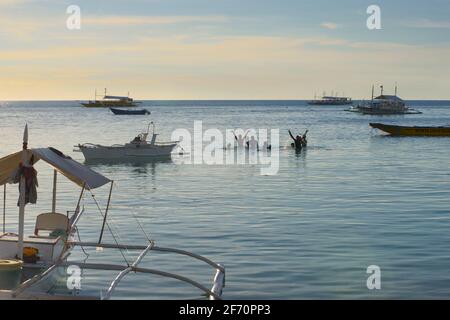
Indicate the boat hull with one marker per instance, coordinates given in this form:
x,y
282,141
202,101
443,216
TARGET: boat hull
x,y
116,153
382,112
412,131
121,112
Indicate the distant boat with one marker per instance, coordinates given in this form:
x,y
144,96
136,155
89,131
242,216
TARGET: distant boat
x,y
331,101
110,101
129,112
384,105
412,131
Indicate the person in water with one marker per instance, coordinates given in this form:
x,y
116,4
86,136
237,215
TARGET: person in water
x,y
266,146
252,144
241,139
299,141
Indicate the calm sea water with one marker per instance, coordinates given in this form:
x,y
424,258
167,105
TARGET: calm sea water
x,y
354,198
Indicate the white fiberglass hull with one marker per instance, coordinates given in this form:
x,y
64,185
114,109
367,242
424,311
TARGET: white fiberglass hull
x,y
148,151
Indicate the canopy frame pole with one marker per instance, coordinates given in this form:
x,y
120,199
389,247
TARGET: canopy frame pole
x,y
106,213
4,208
77,209
21,218
55,179
76,216
22,195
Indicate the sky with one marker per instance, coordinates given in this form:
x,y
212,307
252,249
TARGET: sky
x,y
223,49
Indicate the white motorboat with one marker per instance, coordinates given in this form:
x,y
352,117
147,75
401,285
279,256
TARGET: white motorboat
x,y
138,148
30,265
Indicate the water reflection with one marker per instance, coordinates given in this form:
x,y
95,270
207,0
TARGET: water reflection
x,y
130,162
301,154
139,167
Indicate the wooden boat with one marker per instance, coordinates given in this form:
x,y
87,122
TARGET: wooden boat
x,y
384,105
331,101
120,112
110,101
412,131
32,263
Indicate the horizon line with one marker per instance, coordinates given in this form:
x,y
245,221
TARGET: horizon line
x,y
78,100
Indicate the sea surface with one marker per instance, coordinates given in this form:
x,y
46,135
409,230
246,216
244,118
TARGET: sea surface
x,y
354,198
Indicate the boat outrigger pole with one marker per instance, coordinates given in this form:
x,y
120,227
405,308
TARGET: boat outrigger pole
x,y
4,207
55,178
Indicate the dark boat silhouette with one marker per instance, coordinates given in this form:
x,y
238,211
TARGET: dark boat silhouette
x,y
129,111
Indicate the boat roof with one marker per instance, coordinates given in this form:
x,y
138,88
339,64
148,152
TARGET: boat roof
x,y
388,97
117,97
71,169
329,97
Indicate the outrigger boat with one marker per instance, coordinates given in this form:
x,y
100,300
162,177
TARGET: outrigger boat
x,y
412,131
138,148
331,101
384,105
110,101
49,248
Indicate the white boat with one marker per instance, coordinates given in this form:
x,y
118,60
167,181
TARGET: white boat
x,y
331,101
138,148
33,262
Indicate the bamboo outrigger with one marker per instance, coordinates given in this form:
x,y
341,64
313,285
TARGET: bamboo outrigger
x,y
42,254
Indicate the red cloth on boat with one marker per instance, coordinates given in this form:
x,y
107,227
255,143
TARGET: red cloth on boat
x,y
31,183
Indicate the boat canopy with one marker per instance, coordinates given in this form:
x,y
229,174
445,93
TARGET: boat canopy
x,y
117,98
388,97
335,98
71,169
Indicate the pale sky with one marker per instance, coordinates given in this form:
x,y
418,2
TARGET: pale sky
x,y
223,49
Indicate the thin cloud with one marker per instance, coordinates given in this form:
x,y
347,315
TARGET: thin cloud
x,y
427,24
151,20
11,3
329,25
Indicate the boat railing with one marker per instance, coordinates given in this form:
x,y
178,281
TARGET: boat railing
x,y
94,145
167,143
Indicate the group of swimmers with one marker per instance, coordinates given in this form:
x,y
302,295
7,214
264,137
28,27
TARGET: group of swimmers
x,y
252,144
299,141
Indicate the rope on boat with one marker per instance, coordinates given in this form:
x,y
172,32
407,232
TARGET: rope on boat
x,y
109,228
79,238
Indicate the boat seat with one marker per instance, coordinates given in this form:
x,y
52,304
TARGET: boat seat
x,y
51,222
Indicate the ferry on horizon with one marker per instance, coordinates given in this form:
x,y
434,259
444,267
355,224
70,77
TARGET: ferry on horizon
x,y
331,101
